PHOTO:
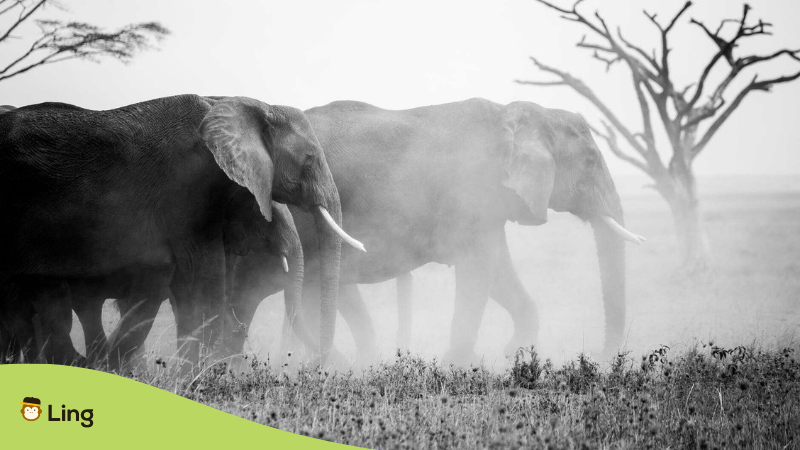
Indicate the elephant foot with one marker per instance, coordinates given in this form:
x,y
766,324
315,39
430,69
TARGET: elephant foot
x,y
462,358
613,347
609,354
518,342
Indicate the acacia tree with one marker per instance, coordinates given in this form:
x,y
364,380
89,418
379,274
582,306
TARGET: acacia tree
x,y
690,115
59,41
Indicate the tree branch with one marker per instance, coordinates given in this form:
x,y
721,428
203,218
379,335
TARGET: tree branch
x,y
664,72
647,123
639,50
24,15
10,7
50,59
33,48
725,49
61,41
754,85
611,139
541,83
581,88
651,78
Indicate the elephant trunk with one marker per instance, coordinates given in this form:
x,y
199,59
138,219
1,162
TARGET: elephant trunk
x,y
327,210
610,235
611,257
293,294
330,247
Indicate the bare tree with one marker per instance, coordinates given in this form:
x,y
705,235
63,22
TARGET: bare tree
x,y
59,41
688,121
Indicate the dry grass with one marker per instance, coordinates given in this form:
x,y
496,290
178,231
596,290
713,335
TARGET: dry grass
x,y
707,397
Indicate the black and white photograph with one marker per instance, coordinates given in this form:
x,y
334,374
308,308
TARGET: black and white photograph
x,y
411,224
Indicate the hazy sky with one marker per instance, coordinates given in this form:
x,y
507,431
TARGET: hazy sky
x,y
401,54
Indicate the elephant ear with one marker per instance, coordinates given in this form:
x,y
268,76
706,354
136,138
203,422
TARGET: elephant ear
x,y
529,164
237,131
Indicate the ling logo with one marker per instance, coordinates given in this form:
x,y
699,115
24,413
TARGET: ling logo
x,y
32,410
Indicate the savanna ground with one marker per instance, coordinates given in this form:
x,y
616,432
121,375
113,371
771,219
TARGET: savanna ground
x,y
712,362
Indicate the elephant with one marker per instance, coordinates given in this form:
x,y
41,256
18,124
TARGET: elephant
x,y
437,184
145,187
139,293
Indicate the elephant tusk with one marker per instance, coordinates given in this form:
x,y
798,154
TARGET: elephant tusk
x,y
621,231
285,264
342,234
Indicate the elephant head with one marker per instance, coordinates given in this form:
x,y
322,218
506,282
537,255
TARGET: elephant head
x,y
273,152
262,244
551,161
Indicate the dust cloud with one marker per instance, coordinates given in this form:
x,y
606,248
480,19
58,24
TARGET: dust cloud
x,y
752,296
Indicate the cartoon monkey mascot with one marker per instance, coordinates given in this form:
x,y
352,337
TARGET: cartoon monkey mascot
x,y
31,408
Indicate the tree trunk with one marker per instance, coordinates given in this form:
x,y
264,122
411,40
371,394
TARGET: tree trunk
x,y
679,190
693,244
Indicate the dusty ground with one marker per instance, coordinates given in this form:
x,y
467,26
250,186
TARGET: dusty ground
x,y
754,295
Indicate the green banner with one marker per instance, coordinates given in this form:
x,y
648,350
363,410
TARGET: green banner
x,y
50,406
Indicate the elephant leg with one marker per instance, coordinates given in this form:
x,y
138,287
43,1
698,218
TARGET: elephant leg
x,y
475,275
246,278
241,314
199,293
134,326
509,292
17,334
290,342
354,311
188,320
310,309
229,324
89,310
405,289
51,300
8,350
138,311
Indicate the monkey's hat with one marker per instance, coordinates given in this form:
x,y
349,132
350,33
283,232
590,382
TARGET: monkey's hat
x,y
31,401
